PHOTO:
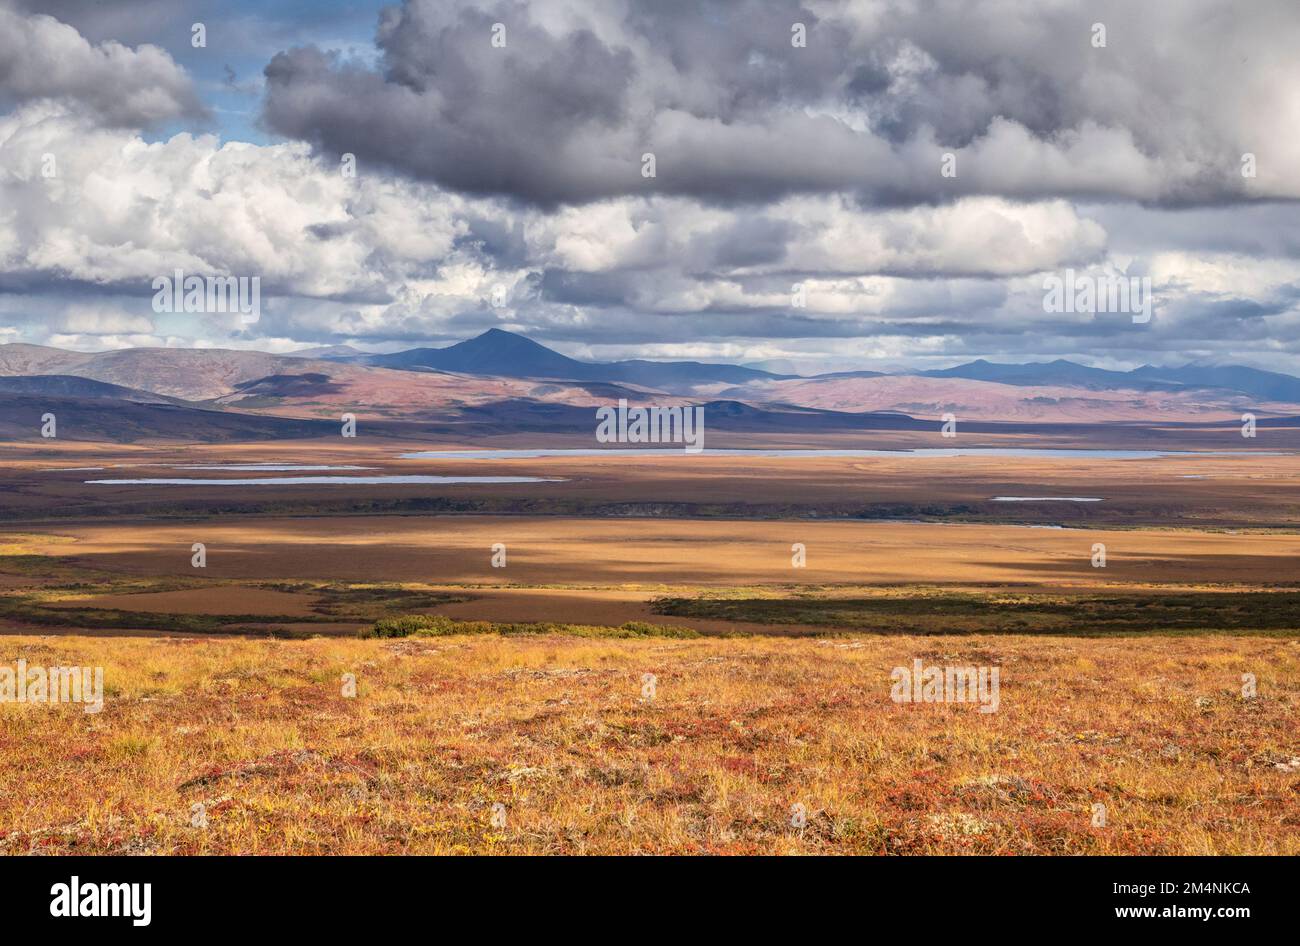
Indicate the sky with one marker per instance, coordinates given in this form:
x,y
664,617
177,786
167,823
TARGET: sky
x,y
882,184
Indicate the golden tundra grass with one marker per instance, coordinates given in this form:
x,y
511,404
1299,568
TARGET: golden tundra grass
x,y
555,729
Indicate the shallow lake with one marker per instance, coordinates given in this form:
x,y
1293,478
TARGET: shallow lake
x,y
326,481
267,467
919,453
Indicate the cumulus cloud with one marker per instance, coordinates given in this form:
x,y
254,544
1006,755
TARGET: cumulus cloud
x,y
974,236
519,168
387,260
121,211
102,319
42,58
1028,106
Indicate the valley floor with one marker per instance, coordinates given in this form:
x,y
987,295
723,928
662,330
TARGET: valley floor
x,y
658,683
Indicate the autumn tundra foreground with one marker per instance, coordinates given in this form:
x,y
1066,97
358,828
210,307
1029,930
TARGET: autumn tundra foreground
x,y
372,684
555,743
348,670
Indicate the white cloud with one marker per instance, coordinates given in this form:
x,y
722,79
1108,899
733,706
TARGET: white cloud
x,y
101,319
706,265
44,59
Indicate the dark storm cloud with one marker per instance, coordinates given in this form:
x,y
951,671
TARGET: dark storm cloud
x,y
584,289
733,111
752,241
499,239
448,98
1234,318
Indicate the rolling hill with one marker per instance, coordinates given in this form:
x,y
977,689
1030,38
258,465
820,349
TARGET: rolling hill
x,y
499,378
62,385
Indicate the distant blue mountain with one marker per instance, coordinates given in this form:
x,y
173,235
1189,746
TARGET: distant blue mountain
x,y
497,352
1266,385
1269,385
506,354
1052,372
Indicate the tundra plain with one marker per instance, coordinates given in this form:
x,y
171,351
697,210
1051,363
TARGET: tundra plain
x,y
515,717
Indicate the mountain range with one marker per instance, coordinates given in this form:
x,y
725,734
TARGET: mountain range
x,y
1266,385
505,354
503,375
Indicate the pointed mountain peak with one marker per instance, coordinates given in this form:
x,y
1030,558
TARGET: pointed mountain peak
x,y
500,338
